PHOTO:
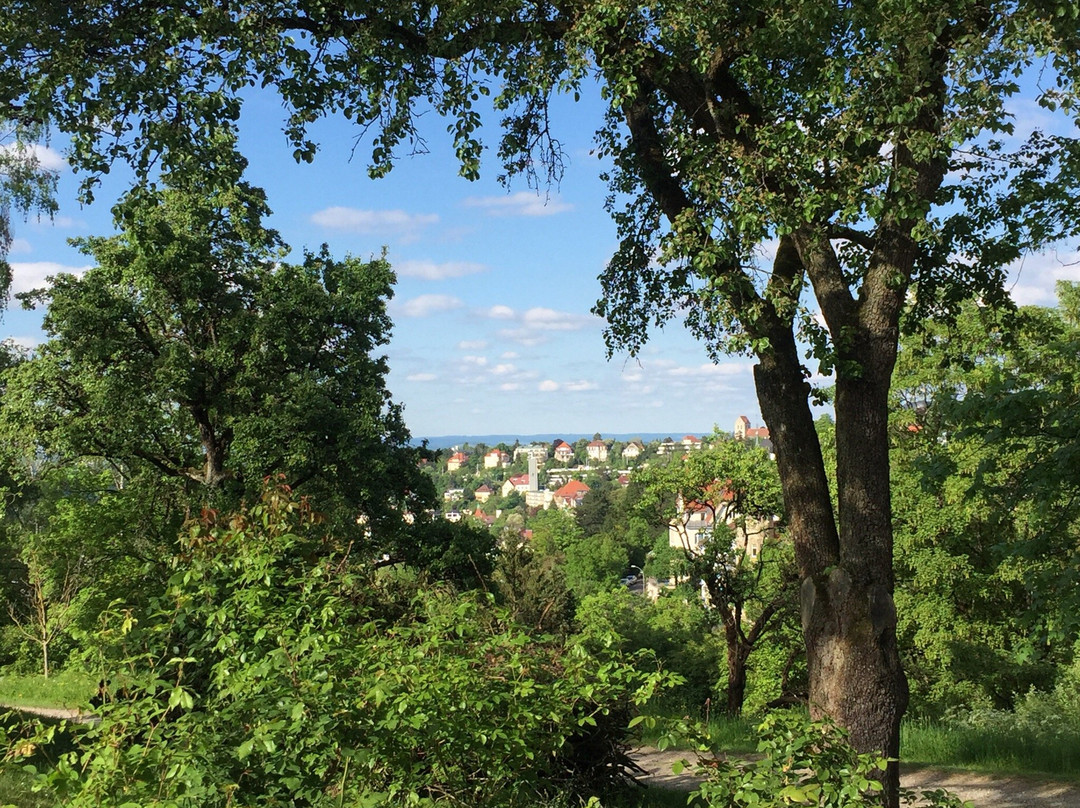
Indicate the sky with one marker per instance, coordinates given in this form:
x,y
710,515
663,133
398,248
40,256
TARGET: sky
x,y
492,326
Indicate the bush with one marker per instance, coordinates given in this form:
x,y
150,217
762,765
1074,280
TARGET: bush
x,y
676,629
802,763
265,675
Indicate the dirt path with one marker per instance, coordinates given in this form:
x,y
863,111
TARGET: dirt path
x,y
58,713
983,790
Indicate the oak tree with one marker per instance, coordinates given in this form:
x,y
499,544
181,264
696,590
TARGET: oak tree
x,y
871,143
193,351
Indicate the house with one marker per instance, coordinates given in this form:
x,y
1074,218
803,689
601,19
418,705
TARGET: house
x,y
484,493
452,516
537,450
496,459
597,450
742,423
624,479
564,452
691,443
694,523
667,446
571,494
480,516
759,435
517,482
452,494
692,526
540,498
456,461
633,450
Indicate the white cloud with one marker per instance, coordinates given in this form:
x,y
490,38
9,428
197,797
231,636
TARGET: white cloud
x,y
421,377
375,222
425,305
429,270
58,222
535,323
472,345
478,361
548,386
522,203
509,387
508,355
523,336
1034,277
710,370
580,385
28,343
504,369
33,275
550,320
19,246
47,158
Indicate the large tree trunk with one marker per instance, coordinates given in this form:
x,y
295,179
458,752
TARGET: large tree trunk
x,y
848,617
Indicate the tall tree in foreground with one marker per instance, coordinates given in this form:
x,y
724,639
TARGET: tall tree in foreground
x,y
870,142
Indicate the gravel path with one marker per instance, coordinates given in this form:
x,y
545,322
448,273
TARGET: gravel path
x,y
982,790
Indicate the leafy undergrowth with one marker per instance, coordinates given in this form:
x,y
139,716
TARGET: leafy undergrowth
x,y
64,690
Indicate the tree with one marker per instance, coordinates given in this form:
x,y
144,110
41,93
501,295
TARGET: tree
x,y
866,141
192,350
746,572
25,184
985,430
46,608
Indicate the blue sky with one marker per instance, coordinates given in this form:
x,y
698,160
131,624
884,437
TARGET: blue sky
x,y
492,330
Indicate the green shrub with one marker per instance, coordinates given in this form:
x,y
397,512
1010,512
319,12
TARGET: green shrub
x,y
802,763
266,676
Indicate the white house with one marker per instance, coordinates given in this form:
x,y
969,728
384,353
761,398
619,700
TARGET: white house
x,y
597,450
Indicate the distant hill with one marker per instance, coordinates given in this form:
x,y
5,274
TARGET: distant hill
x,y
446,441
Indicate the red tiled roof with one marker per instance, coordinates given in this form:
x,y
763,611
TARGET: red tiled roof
x,y
573,490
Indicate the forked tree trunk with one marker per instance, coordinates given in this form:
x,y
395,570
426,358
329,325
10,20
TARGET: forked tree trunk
x,y
848,617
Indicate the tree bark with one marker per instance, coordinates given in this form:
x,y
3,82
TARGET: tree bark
x,y
845,561
737,655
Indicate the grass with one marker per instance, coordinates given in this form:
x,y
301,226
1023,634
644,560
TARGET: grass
x,y
67,689
16,788
990,750
1009,751
736,735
